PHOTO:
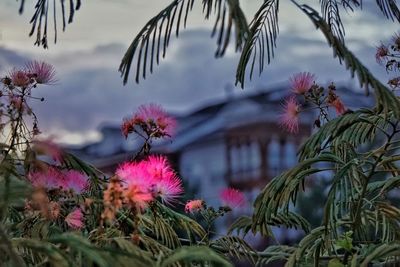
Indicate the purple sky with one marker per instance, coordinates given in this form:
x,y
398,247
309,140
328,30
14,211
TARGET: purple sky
x,y
87,56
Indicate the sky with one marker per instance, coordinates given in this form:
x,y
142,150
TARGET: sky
x,y
89,92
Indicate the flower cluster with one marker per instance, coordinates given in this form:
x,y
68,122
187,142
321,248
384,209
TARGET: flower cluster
x,y
389,55
150,120
140,183
232,198
52,178
194,205
303,85
75,219
17,89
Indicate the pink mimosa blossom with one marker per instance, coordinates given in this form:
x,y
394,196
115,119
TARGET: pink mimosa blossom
x,y
302,82
166,183
194,206
169,189
136,183
76,181
42,72
75,219
154,176
289,119
381,54
127,127
232,198
51,178
134,173
158,167
339,106
152,119
19,78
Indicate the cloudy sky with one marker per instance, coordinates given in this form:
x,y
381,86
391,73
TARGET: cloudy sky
x,y
90,91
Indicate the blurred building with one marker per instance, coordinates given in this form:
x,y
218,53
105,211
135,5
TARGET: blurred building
x,y
236,142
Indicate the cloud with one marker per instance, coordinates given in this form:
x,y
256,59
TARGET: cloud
x,y
10,58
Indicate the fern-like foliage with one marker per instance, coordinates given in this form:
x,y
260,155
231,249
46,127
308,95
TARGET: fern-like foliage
x,y
152,41
41,17
195,255
275,253
261,42
354,128
236,248
229,13
330,11
389,8
154,38
386,100
282,190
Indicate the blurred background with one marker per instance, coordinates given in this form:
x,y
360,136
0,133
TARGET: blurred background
x,y
227,136
88,54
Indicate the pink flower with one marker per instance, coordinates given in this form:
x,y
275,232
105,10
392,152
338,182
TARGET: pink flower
x,y
302,82
232,198
127,127
136,182
165,182
339,106
48,147
42,72
51,178
75,219
19,78
194,205
134,173
76,181
158,167
381,54
152,119
290,117
153,176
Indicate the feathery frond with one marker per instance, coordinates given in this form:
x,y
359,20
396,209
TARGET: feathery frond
x,y
261,42
152,41
330,11
41,16
195,254
235,247
385,99
283,189
229,13
389,8
154,38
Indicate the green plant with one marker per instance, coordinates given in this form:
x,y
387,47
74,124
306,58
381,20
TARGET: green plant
x,y
360,224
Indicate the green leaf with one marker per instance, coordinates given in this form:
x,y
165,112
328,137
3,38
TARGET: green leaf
x,y
335,263
39,247
201,255
261,41
235,247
